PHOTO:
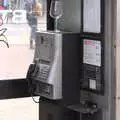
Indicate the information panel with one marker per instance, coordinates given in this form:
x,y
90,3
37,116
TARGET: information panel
x,y
93,66
92,52
92,16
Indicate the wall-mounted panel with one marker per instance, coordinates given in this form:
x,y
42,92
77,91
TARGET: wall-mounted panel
x,y
92,16
71,19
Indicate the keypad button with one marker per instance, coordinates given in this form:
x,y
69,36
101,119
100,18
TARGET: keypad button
x,y
44,70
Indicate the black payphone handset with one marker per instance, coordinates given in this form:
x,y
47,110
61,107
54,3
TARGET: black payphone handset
x,y
32,70
31,73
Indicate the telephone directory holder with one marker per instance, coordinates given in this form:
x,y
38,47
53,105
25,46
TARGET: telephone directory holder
x,y
55,70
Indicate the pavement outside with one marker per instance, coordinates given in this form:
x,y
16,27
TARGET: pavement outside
x,y
19,109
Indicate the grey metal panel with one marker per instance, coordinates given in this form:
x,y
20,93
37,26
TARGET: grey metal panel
x,y
117,66
106,102
110,14
70,20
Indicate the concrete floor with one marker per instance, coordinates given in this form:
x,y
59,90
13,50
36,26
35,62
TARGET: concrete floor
x,y
19,109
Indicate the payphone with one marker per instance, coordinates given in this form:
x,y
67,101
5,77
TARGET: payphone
x,y
54,73
47,61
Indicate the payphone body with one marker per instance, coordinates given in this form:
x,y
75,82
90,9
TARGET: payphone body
x,y
48,52
56,66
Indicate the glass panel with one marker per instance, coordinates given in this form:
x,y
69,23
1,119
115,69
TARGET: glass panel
x,y
19,19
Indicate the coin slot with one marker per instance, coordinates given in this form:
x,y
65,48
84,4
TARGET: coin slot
x,y
42,39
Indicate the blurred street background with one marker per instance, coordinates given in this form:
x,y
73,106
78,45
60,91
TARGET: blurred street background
x,y
15,60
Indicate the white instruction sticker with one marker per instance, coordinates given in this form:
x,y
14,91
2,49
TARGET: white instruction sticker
x,y
92,16
92,84
92,52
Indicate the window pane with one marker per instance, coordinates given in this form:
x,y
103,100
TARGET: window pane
x,y
20,18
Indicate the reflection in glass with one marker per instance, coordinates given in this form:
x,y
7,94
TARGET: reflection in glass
x,y
15,60
56,11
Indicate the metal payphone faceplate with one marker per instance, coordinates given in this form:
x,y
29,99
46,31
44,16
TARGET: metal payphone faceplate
x,y
48,53
56,66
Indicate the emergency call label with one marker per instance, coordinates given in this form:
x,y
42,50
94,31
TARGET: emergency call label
x,y
92,52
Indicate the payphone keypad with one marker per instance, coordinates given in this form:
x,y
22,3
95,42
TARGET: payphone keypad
x,y
44,72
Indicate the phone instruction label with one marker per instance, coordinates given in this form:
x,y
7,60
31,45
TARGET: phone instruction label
x,y
92,52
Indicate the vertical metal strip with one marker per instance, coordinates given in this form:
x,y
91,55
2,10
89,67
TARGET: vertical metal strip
x,y
50,21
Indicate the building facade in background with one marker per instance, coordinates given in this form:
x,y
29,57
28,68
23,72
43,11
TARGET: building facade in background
x,y
13,11
18,4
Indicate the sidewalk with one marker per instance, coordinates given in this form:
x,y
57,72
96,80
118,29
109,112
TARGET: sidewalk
x,y
19,109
